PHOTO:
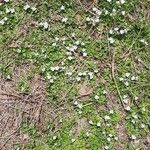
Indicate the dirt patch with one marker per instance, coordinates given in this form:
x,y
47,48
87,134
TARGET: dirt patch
x,y
16,107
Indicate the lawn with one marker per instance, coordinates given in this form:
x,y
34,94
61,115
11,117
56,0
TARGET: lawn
x,y
75,74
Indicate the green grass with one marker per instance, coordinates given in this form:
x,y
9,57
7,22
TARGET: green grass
x,y
24,41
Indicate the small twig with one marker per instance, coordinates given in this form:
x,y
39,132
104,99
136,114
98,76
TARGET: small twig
x,y
114,79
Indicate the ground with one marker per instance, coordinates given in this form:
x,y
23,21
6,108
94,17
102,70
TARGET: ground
x,y
74,74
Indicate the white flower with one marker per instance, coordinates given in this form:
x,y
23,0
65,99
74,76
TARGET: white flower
x,y
121,31
51,80
90,75
121,79
94,9
45,25
87,134
111,40
110,31
106,147
116,138
123,13
110,135
54,137
26,7
62,7
70,57
84,54
78,78
73,140
108,139
128,108
88,19
75,103
98,124
106,117
6,1
116,29
90,122
136,98
33,8
80,106
104,92
133,78
96,97
2,22
127,74
126,83
142,125
133,137
5,18
122,1
57,68
111,111
64,20
109,0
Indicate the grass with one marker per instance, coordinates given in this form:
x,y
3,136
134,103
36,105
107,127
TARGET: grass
x,y
79,57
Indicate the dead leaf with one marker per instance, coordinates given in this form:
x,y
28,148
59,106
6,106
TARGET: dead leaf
x,y
85,89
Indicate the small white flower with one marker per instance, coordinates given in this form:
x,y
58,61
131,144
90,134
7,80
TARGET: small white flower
x,y
111,40
110,135
87,134
111,111
64,20
77,42
110,31
106,147
78,78
121,31
123,13
6,1
108,139
133,137
104,92
70,57
51,80
75,103
122,1
94,9
116,29
142,125
52,68
106,117
127,74
96,97
62,7
33,8
88,19
2,22
45,25
26,7
54,137
128,108
57,68
73,140
136,98
5,18
91,122
98,124
116,138
109,0
126,83
80,106
121,79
